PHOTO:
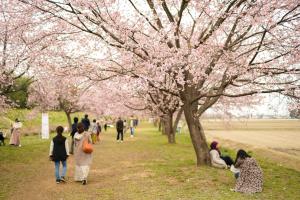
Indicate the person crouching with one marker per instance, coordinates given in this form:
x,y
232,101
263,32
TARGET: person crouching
x,y
59,152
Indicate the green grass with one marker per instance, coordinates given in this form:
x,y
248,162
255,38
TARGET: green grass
x,y
145,167
32,121
17,164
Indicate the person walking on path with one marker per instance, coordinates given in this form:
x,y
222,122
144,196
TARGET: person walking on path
x,y
99,129
250,178
59,152
82,160
132,127
105,127
94,129
125,126
16,134
86,122
74,130
179,126
120,127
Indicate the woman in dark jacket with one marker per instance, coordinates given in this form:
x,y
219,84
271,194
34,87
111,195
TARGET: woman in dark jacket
x,y
59,152
74,130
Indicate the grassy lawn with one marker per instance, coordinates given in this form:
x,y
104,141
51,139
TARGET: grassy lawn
x,y
144,167
32,120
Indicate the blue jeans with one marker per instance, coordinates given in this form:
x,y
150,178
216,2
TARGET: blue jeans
x,y
64,170
131,130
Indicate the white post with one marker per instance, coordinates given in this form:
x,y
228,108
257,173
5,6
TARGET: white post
x,y
45,126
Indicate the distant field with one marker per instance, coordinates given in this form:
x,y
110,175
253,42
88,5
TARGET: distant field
x,y
279,136
276,134
253,124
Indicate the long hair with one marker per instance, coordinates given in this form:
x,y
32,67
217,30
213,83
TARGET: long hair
x,y
75,119
80,127
59,130
241,154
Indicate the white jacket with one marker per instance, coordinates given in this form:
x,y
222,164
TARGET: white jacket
x,y
216,161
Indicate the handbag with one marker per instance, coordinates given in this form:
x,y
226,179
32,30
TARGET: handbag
x,y
86,146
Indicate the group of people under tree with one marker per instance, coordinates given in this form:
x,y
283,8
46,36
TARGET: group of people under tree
x,y
246,170
94,127
81,133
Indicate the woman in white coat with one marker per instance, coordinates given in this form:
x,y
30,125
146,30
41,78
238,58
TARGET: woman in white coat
x,y
82,160
217,160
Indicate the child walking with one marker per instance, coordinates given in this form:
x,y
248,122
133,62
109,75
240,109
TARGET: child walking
x,y
59,152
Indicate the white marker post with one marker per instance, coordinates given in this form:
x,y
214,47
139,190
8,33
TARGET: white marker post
x,y
45,126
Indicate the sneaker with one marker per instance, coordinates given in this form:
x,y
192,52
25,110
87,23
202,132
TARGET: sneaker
x,y
84,182
57,181
121,141
62,179
20,145
131,135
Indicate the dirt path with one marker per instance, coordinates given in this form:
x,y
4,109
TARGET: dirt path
x,y
113,163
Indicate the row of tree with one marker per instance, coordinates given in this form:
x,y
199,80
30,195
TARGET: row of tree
x,y
166,57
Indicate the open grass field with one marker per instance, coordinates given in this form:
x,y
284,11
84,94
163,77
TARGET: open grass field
x,y
144,167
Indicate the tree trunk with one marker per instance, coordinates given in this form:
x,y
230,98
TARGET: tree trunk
x,y
169,128
163,126
155,121
197,134
69,120
179,113
159,125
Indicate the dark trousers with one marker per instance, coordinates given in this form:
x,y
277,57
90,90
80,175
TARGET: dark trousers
x,y
120,134
227,160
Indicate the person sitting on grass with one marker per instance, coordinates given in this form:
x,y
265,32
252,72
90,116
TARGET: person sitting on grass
x,y
250,179
217,160
59,152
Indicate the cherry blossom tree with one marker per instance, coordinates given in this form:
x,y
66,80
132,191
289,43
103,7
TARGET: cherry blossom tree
x,y
13,45
164,106
293,103
208,49
52,90
24,38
